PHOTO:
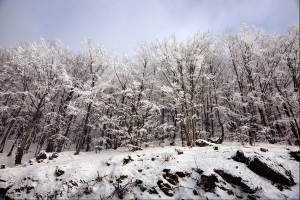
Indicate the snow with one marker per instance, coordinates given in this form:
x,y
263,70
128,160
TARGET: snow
x,y
81,172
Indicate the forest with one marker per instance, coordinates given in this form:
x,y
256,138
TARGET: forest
x,y
242,86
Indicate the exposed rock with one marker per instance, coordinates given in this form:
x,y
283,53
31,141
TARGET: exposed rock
x,y
73,183
216,148
195,192
166,171
171,178
152,191
127,160
42,155
208,183
166,188
295,155
88,190
240,157
199,171
201,143
263,149
143,187
264,170
252,197
235,181
229,192
138,182
3,166
54,155
59,172
180,174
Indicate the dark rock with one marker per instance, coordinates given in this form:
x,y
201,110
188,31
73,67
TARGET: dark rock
x,y
166,188
166,171
199,171
140,170
253,197
3,192
262,169
201,143
3,166
235,181
263,149
229,192
54,155
171,178
42,155
152,191
295,155
195,192
127,160
138,182
59,172
122,177
208,183
240,157
180,174
143,187
88,190
73,183
216,148
28,188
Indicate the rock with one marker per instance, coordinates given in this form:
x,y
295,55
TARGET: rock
x,y
127,160
138,182
140,170
263,149
152,191
180,174
171,178
3,166
166,188
59,172
240,157
54,155
166,171
195,192
295,155
199,171
253,197
208,182
88,190
201,143
235,181
262,169
143,187
42,155
216,148
229,192
73,183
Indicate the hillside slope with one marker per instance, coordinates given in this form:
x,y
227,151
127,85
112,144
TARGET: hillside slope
x,y
155,172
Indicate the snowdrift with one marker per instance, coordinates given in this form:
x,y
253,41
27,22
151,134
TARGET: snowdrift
x,y
212,171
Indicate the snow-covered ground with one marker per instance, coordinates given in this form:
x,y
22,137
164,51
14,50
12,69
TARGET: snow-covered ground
x,y
104,175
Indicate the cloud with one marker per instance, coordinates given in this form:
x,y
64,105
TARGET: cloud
x,y
122,24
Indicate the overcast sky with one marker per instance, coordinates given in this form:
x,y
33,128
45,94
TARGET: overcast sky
x,y
122,24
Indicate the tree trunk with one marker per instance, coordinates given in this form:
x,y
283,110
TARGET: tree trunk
x,y
80,143
2,144
20,150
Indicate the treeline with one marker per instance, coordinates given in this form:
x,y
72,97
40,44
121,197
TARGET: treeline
x,y
239,86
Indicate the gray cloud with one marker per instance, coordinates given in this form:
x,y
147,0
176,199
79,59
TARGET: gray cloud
x,y
122,24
